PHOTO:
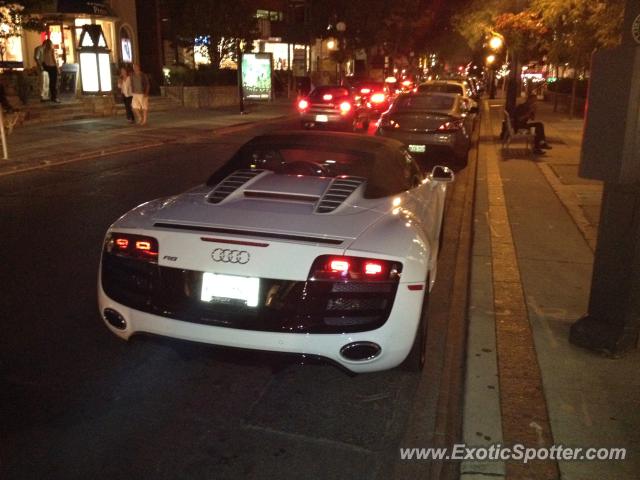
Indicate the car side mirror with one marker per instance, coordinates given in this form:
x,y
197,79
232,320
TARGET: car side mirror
x,y
474,110
442,174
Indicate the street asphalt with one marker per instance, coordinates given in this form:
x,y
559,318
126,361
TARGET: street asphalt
x,y
76,402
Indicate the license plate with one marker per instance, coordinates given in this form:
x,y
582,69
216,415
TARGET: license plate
x,y
322,118
417,148
222,288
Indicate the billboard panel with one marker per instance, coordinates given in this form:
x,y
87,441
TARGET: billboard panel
x,y
257,75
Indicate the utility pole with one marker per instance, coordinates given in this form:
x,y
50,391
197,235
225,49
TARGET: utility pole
x,y
611,152
240,85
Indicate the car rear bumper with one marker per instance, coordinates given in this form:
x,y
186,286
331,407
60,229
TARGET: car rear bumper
x,y
454,143
331,119
394,337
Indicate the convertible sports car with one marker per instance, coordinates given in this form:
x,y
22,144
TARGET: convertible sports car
x,y
311,243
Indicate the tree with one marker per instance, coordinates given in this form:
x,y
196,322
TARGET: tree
x,y
579,27
225,25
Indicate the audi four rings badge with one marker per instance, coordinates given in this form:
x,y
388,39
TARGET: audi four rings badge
x,y
225,255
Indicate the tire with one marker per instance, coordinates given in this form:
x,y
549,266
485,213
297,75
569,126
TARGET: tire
x,y
415,360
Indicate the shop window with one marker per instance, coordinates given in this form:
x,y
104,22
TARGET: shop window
x,y
126,48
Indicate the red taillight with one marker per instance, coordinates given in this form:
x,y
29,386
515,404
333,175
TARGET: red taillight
x,y
303,105
378,98
338,265
140,247
345,107
328,267
372,268
122,243
451,126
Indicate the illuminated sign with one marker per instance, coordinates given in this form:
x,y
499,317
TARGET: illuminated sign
x,y
256,76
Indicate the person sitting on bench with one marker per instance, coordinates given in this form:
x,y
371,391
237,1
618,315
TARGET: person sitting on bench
x,y
522,116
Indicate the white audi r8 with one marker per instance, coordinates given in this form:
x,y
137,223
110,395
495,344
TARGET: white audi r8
x,y
319,244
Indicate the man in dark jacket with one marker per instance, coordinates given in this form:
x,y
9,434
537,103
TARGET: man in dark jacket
x,y
522,116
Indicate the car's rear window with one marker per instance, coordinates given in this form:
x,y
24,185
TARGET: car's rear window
x,y
441,88
424,102
383,176
319,93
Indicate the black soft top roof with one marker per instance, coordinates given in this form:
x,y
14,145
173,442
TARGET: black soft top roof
x,y
342,141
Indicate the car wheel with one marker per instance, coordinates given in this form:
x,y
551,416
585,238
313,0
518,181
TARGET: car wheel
x,y
415,360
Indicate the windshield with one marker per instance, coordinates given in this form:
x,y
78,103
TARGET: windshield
x,y
424,102
383,177
441,88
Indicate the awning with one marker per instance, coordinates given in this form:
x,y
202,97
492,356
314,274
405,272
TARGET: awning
x,y
95,7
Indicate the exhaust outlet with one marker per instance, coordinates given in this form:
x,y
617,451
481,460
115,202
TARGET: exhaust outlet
x,y
114,319
359,351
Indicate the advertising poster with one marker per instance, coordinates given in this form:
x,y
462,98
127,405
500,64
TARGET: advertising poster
x,y
256,76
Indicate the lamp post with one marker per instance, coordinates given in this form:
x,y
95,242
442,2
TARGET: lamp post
x,y
341,27
95,65
496,42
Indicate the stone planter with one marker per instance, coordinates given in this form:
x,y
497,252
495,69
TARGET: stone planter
x,y
202,97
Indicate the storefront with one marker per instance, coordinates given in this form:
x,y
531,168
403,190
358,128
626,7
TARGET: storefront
x,y
63,21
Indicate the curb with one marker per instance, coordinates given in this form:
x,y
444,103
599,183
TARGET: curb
x,y
437,422
42,164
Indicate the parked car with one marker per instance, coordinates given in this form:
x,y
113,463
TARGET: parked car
x,y
333,107
310,243
460,87
431,123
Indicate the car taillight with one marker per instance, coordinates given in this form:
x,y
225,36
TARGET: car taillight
x,y
365,90
345,107
451,126
337,268
140,247
303,105
378,98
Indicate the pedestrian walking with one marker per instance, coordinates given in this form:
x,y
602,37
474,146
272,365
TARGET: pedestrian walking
x,y
50,65
124,84
140,87
521,120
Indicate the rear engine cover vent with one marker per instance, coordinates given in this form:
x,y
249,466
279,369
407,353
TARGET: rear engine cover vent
x,y
339,190
230,184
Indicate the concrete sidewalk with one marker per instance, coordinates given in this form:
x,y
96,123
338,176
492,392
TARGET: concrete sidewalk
x,y
535,224
37,146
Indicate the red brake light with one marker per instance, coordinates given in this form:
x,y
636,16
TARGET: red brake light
x,y
451,126
345,107
140,247
331,268
339,265
327,96
122,243
303,104
372,268
378,98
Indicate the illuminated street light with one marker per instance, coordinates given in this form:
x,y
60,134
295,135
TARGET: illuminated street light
x,y
331,44
495,43
490,59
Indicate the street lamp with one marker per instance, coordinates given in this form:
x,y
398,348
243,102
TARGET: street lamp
x,y
496,42
490,59
95,66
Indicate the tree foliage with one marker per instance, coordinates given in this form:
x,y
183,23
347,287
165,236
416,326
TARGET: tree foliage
x,y
226,24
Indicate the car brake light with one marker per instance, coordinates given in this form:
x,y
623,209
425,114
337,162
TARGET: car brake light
x,y
451,126
303,105
327,96
341,266
345,107
328,267
365,90
140,247
372,268
378,98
